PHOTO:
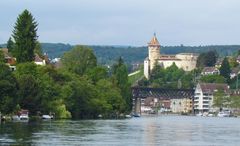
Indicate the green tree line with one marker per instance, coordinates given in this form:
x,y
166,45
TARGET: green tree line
x,y
79,89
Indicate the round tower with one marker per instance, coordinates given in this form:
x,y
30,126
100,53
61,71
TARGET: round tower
x,y
153,51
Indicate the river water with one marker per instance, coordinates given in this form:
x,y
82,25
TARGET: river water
x,y
158,130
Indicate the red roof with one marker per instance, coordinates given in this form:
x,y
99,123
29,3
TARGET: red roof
x,y
154,41
37,58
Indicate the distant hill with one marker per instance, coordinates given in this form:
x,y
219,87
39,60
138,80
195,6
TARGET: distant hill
x,y
108,54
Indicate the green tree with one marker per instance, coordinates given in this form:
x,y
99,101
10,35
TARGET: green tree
x,y
25,37
10,45
120,73
97,73
29,94
235,102
38,49
79,59
225,69
213,79
110,95
8,90
2,59
207,59
219,99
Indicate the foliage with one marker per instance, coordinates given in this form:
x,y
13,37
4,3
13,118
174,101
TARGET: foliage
x,y
25,37
38,49
220,99
235,101
2,60
207,59
79,60
232,62
10,45
108,54
8,90
97,73
171,77
120,74
213,79
136,77
225,69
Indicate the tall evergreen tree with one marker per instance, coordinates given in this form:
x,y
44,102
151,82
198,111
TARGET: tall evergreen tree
x,y
225,69
121,75
25,36
10,44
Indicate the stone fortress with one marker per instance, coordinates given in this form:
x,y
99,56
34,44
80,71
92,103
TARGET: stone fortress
x,y
186,61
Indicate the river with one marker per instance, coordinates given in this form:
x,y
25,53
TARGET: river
x,y
156,130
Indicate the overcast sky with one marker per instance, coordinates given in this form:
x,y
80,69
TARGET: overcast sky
x,y
128,22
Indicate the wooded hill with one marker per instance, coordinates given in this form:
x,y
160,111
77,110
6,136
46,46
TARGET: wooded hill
x,y
108,54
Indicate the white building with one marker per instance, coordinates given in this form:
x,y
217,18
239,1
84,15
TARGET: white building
x,y
39,61
186,61
204,96
182,105
210,71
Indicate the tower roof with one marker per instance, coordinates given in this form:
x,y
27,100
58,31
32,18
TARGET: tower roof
x,y
154,41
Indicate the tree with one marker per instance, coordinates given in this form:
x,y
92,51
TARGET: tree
x,y
120,73
213,79
207,59
8,90
79,59
219,99
225,69
97,73
10,45
25,37
38,49
2,60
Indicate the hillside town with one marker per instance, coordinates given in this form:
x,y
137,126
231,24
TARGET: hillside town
x,y
211,93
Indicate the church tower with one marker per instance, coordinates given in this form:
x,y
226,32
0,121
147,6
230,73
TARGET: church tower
x,y
153,51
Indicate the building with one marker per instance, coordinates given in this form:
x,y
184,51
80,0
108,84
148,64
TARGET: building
x,y
218,64
9,60
39,60
186,61
204,94
210,71
238,59
181,105
234,72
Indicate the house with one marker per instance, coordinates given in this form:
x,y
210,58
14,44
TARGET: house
x,y
210,71
238,59
204,96
218,64
9,60
182,105
235,71
41,60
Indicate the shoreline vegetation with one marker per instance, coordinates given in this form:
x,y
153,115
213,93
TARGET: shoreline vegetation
x,y
80,89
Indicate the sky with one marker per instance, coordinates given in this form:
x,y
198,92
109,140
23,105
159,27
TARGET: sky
x,y
128,22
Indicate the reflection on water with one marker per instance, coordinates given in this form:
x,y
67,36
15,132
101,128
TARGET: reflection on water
x,y
162,130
